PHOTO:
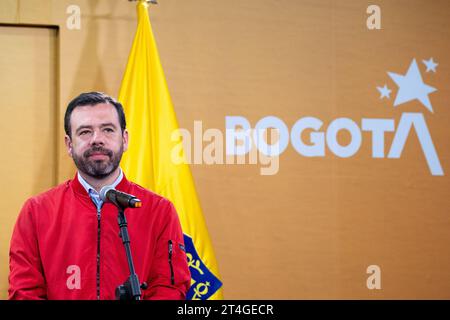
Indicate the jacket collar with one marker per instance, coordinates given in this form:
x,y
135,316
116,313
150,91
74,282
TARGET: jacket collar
x,y
76,185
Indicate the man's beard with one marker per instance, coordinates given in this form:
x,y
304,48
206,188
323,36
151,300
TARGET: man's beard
x,y
98,169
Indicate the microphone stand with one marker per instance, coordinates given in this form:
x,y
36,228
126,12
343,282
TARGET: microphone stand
x,y
130,289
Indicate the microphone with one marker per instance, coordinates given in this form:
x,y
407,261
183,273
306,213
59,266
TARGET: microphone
x,y
120,199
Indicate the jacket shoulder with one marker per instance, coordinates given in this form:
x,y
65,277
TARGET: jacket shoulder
x,y
149,196
50,194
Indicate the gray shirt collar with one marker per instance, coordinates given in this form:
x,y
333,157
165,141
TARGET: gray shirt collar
x,y
90,189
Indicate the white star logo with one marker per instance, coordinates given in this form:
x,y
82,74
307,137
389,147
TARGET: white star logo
x,y
411,87
385,92
430,64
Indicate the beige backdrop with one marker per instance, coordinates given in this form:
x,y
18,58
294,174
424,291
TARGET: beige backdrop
x,y
311,230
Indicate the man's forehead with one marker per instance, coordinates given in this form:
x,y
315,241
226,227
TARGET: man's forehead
x,y
103,112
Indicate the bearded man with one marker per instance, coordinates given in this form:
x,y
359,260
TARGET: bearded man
x,y
65,243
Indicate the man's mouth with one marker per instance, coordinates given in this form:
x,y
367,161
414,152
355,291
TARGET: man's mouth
x,y
98,156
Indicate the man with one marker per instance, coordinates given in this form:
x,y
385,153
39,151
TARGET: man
x,y
65,243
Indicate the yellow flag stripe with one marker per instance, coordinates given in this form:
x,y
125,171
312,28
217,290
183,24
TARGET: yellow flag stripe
x,y
151,122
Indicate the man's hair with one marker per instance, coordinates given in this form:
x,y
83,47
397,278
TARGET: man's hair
x,y
92,99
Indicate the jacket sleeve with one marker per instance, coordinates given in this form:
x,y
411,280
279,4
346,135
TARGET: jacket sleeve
x,y
169,275
26,279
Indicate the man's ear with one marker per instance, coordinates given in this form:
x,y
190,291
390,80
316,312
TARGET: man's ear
x,y
125,140
68,143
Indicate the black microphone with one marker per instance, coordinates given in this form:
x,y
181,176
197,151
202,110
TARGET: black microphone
x,y
120,199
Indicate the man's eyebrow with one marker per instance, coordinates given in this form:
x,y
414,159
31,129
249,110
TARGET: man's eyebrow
x,y
109,124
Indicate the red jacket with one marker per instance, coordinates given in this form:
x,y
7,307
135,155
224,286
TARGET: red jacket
x,y
61,250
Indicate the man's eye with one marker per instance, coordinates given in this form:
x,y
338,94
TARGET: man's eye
x,y
83,132
109,130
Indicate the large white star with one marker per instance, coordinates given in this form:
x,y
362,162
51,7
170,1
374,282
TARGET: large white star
x,y
411,86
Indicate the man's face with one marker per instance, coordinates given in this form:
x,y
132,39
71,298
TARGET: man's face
x,y
97,141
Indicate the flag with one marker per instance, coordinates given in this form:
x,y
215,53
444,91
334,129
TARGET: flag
x,y
153,150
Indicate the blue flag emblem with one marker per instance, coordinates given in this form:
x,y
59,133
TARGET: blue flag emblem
x,y
204,283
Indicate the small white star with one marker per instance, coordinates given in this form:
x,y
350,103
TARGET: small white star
x,y
431,65
385,92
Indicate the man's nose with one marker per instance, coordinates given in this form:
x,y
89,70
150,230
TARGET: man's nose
x,y
98,138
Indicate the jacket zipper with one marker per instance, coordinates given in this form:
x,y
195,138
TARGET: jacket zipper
x,y
98,253
172,277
